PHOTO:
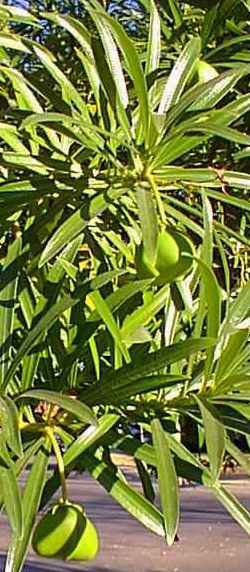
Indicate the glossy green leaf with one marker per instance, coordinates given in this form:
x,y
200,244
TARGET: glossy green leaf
x,y
238,455
74,406
77,222
89,437
144,313
146,453
30,506
18,14
212,298
140,387
215,437
148,219
10,425
9,284
11,495
103,310
154,40
146,480
13,42
168,483
69,92
179,75
10,491
233,506
137,369
133,66
228,360
176,12
223,132
44,324
174,148
209,25
129,498
113,58
206,95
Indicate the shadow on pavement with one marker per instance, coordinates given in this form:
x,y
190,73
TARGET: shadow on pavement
x,y
50,565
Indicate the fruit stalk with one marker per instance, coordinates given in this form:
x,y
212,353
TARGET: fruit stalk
x,y
60,463
151,180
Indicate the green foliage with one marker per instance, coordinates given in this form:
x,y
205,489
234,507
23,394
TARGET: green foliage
x,y
98,158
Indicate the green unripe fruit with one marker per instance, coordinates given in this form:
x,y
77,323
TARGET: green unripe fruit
x,y
174,258
144,268
168,252
65,533
205,71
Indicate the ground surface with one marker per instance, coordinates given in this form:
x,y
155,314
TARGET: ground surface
x,y
209,540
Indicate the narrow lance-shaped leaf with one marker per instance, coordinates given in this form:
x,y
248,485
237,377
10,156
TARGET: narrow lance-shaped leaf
x,y
80,410
112,57
20,464
168,483
205,96
223,132
13,41
209,25
146,480
12,500
140,386
150,363
238,455
45,323
207,243
176,12
129,498
146,453
9,280
229,357
9,134
144,314
17,14
179,75
30,505
89,437
10,425
148,219
214,435
154,40
212,298
233,506
69,91
108,318
77,222
76,448
133,66
10,492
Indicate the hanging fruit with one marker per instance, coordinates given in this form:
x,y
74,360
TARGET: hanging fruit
x,y
64,532
173,258
205,71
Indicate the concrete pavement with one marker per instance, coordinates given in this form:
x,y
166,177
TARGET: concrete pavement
x,y
209,540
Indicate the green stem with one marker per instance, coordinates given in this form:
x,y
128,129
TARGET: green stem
x,y
60,463
33,427
157,195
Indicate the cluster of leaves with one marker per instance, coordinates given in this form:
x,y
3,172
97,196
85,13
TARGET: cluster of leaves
x,y
88,170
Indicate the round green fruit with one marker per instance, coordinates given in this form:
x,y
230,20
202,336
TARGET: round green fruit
x,y
145,269
65,533
174,256
173,259
185,261
168,253
205,71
